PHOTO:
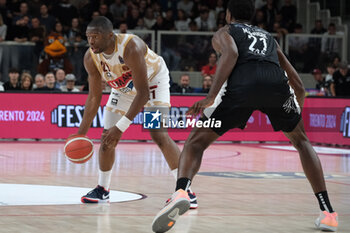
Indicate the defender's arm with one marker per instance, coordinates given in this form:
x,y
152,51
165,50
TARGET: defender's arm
x,y
223,43
293,77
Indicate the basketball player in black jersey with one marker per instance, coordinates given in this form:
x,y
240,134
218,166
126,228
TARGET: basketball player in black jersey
x,y
252,74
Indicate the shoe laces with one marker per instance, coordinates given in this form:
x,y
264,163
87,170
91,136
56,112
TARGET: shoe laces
x,y
330,218
189,193
330,215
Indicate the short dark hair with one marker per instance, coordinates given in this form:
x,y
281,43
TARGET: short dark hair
x,y
204,11
241,9
298,26
13,70
331,65
192,23
102,23
213,52
331,25
124,22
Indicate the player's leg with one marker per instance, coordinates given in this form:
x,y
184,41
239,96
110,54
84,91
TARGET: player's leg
x,y
285,114
309,159
159,100
106,154
115,108
314,173
168,147
170,150
191,156
189,164
192,153
106,157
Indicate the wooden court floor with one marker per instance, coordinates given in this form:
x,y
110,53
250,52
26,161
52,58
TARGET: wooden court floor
x,y
241,188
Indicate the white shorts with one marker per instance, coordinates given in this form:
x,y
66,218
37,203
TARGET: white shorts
x,y
119,103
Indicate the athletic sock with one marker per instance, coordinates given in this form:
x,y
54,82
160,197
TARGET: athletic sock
x,y
323,201
104,178
183,183
175,176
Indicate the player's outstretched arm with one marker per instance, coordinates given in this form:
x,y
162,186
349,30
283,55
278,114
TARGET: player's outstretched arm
x,y
224,44
293,77
95,94
134,58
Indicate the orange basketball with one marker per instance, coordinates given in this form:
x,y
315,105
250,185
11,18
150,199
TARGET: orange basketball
x,y
78,149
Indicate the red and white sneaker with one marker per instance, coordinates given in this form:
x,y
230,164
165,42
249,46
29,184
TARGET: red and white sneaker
x,y
327,221
97,195
177,205
193,200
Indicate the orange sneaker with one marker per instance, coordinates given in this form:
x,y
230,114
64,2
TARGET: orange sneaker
x,y
327,221
177,205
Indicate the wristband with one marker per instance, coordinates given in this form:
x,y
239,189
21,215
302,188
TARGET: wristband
x,y
123,123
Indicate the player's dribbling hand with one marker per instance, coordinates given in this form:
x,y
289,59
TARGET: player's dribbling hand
x,y
199,106
112,136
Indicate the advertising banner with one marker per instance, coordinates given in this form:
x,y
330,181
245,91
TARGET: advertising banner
x,y
56,116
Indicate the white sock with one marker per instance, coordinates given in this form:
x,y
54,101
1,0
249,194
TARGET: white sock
x,y
104,178
174,172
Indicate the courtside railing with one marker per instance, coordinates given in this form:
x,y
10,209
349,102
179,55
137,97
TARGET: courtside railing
x,y
186,50
309,51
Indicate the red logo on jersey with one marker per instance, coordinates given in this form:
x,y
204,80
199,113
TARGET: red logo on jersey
x,y
121,81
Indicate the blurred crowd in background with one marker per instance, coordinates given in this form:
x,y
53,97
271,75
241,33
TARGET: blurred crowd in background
x,y
49,23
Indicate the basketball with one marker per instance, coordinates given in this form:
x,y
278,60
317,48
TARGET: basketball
x,y
78,149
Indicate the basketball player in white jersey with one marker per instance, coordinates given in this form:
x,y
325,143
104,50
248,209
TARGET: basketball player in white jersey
x,y
139,78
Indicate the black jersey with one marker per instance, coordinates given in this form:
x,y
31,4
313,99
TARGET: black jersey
x,y
253,43
257,82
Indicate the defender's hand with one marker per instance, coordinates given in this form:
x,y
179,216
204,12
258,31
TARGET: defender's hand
x,y
199,106
112,136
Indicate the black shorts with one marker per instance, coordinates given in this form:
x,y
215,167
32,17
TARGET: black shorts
x,y
255,86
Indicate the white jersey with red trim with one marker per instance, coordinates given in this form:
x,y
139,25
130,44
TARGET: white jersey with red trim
x,y
116,73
